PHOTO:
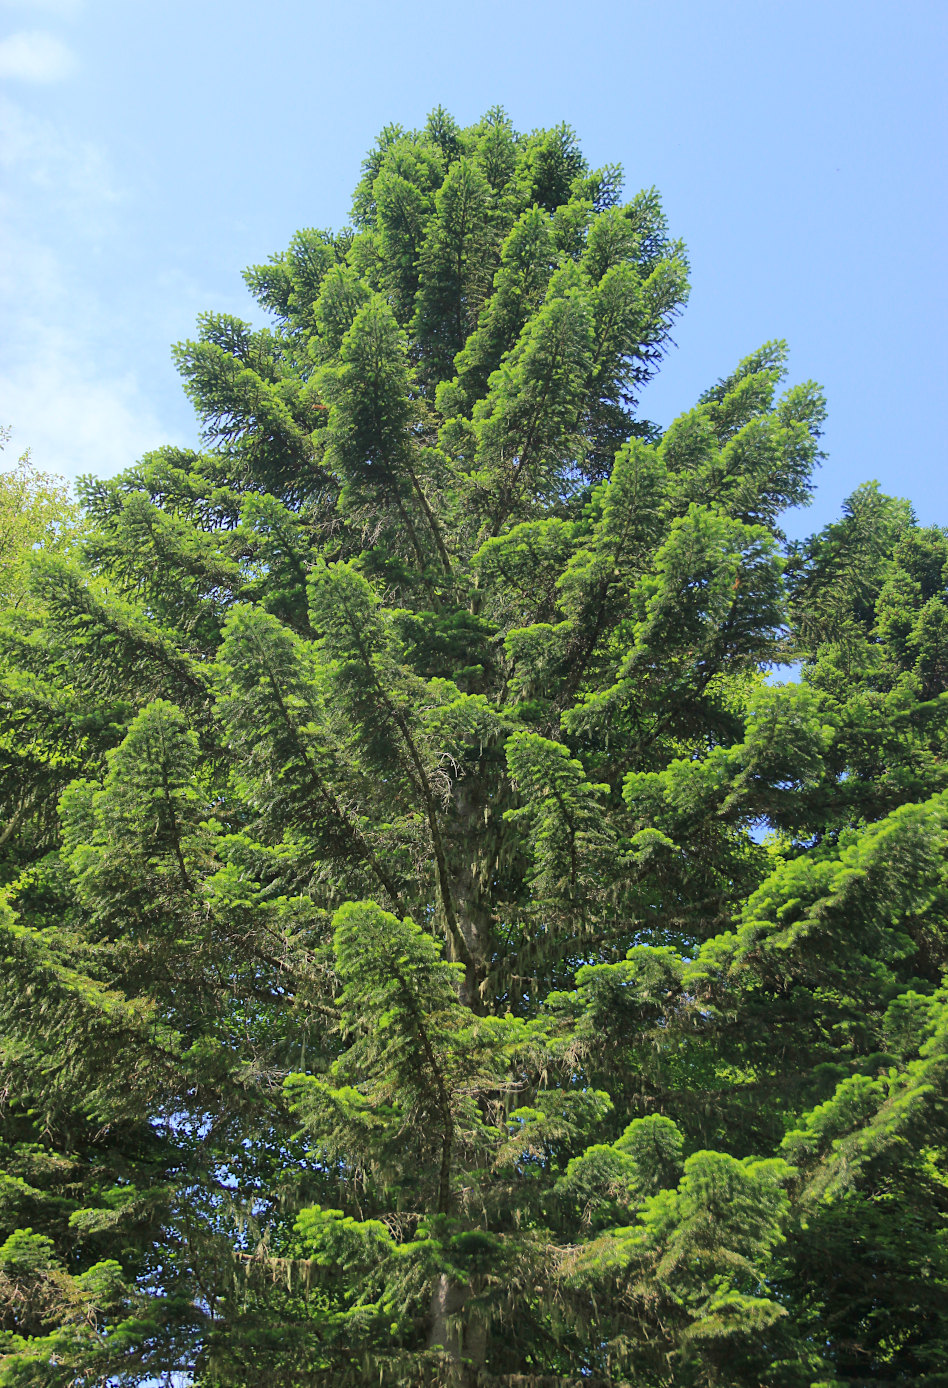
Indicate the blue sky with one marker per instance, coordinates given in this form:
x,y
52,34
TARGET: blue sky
x,y
153,148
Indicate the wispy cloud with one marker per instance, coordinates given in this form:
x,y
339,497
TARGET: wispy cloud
x,y
60,388
73,174
73,420
35,56
64,384
63,9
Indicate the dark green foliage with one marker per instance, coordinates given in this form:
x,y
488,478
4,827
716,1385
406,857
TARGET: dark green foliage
x,y
433,953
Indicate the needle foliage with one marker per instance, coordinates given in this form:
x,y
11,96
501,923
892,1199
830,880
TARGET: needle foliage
x,y
434,953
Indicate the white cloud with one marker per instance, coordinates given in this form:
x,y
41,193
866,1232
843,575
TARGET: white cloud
x,y
71,420
35,56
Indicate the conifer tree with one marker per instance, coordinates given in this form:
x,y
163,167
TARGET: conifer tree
x,y
433,950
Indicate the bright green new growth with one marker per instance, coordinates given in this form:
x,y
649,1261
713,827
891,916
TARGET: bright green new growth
x,y
433,953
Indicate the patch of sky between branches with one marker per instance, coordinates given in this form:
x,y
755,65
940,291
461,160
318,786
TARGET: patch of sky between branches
x,y
785,673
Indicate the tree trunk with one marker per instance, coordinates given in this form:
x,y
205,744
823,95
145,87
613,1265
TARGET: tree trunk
x,y
470,881
465,1345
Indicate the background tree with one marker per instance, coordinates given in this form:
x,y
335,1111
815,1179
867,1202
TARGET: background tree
x,y
436,954
35,512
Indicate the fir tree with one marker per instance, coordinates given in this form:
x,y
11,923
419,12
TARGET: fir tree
x,y
434,953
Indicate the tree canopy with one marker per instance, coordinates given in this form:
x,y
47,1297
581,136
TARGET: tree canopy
x,y
435,950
